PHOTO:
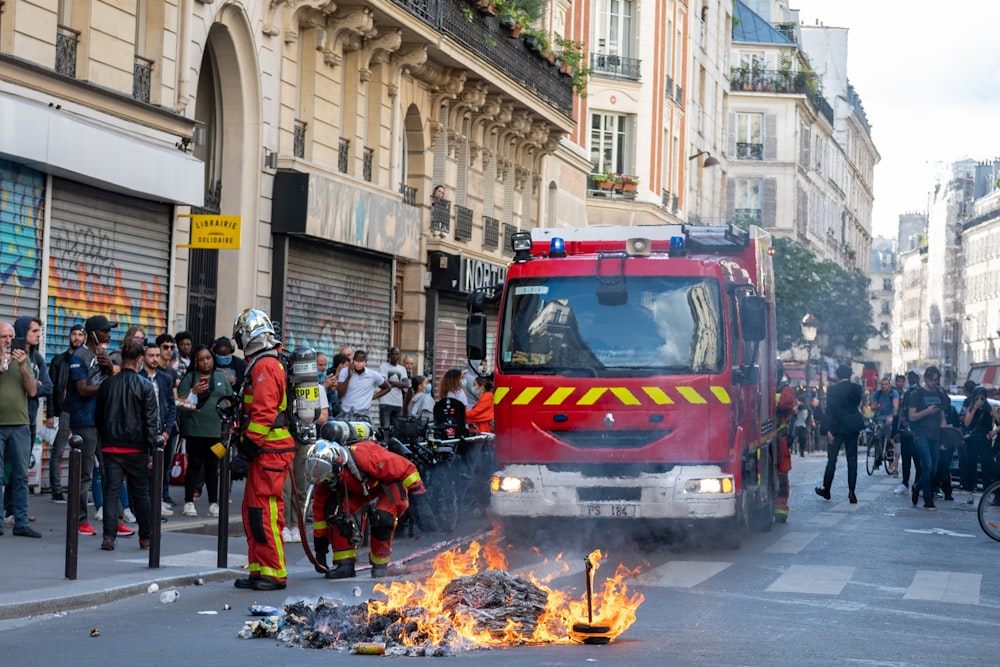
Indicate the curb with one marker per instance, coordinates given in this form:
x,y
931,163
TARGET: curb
x,y
57,603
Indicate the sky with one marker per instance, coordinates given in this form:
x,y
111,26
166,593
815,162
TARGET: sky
x,y
928,75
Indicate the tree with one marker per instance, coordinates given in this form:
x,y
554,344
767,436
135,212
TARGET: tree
x,y
805,284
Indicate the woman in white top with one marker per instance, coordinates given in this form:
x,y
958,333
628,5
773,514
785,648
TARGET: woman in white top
x,y
451,387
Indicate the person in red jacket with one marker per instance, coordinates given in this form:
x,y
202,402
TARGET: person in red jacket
x,y
347,479
787,402
266,450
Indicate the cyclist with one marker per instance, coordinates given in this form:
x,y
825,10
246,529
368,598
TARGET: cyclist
x,y
885,405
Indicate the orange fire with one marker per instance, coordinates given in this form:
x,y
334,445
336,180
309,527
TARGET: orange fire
x,y
613,605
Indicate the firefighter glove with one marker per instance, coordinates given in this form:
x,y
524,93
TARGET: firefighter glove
x,y
247,448
239,467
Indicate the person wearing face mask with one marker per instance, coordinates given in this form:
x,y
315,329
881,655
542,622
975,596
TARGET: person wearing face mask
x,y
232,367
88,368
419,402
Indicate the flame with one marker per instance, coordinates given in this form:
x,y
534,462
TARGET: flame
x,y
421,603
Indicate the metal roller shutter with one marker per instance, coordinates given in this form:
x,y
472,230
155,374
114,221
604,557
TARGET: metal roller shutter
x,y
449,335
335,298
22,215
110,255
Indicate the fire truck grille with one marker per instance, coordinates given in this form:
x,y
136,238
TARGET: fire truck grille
x,y
602,493
609,439
617,470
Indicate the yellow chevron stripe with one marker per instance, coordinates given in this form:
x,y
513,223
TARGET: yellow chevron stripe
x,y
528,395
625,396
721,394
692,395
658,395
592,395
499,393
559,395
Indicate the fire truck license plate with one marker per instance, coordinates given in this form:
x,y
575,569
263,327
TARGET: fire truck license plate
x,y
610,510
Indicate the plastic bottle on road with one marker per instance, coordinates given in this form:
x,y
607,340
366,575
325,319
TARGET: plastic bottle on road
x,y
168,597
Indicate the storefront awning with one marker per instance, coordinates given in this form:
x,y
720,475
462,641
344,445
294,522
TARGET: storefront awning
x,y
988,376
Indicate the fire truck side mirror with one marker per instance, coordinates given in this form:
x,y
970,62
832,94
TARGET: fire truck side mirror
x,y
475,336
753,318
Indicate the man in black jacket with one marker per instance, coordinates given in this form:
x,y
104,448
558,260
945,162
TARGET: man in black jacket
x,y
55,410
842,425
126,415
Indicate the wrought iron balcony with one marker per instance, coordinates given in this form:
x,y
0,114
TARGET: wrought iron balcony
x,y
491,233
441,217
142,75
299,141
409,194
483,35
343,155
67,40
775,81
745,151
463,223
366,166
665,199
615,67
668,87
747,216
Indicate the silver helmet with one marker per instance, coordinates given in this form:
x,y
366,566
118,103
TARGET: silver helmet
x,y
324,461
253,328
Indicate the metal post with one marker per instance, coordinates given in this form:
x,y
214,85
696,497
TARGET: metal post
x,y
155,500
73,506
223,537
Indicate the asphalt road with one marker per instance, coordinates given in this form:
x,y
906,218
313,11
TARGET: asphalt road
x,y
877,583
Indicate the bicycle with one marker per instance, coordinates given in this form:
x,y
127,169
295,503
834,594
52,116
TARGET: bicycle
x,y
988,511
879,450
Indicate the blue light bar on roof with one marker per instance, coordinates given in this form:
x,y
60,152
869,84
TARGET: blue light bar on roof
x,y
557,247
676,246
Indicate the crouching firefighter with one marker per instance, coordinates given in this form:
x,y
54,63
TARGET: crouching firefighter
x,y
265,450
347,479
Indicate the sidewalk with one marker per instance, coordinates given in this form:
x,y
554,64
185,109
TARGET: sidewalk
x,y
35,569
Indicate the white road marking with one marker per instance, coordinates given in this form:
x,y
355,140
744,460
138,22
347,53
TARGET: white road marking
x,y
937,531
813,579
681,573
958,587
791,543
825,520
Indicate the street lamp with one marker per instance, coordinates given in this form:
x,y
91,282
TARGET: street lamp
x,y
809,330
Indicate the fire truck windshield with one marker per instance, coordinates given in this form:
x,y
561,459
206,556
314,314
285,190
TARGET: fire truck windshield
x,y
558,325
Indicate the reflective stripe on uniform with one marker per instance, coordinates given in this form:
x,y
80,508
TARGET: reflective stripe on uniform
x,y
375,560
411,479
346,554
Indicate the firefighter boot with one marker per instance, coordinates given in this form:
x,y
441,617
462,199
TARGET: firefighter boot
x,y
343,569
320,546
379,570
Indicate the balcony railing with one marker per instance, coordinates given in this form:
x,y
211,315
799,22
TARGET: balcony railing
x,y
366,166
67,40
491,233
463,223
508,231
142,77
615,67
679,94
409,194
622,187
668,87
747,216
774,81
483,35
343,155
665,199
299,140
441,217
745,151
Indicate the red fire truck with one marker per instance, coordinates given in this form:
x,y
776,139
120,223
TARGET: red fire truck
x,y
634,378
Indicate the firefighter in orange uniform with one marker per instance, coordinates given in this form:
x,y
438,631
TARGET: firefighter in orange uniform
x,y
787,402
266,450
347,479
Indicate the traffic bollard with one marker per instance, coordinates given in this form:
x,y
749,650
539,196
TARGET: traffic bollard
x,y
155,502
73,506
223,540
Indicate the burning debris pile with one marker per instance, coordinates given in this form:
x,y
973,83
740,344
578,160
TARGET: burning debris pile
x,y
469,601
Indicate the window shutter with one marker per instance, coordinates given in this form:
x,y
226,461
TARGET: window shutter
x,y
770,136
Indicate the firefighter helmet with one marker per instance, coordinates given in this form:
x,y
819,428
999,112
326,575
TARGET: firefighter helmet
x,y
251,324
324,461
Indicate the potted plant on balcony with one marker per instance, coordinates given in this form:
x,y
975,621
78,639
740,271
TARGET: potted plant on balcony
x,y
574,63
629,183
603,181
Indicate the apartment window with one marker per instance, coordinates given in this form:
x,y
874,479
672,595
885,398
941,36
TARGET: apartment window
x,y
614,32
748,201
749,136
608,142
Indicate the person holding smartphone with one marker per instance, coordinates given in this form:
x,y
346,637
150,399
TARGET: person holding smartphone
x,y
201,428
17,385
978,419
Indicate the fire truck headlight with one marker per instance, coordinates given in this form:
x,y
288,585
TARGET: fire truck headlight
x,y
504,484
709,485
